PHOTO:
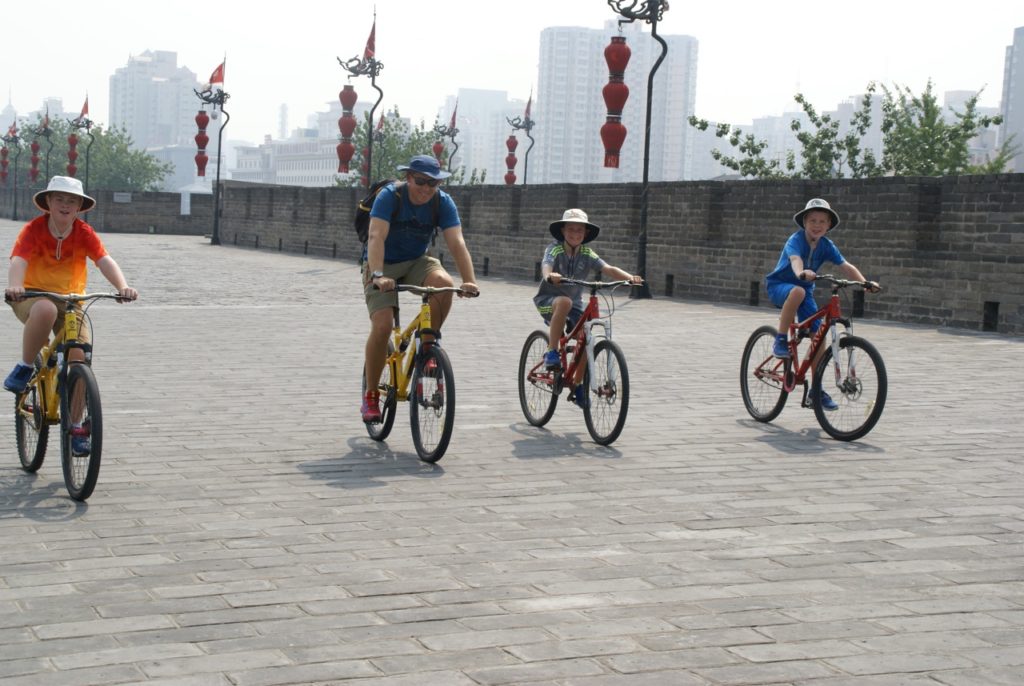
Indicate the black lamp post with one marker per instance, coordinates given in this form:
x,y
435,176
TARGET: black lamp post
x,y
76,124
524,123
367,65
449,131
650,11
13,140
47,133
216,98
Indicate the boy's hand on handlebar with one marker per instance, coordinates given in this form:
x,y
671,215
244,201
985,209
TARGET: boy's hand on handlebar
x,y
127,294
636,279
468,289
873,286
808,275
554,277
14,293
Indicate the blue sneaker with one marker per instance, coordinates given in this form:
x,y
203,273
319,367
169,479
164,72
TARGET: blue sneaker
x,y
580,397
781,347
81,441
17,380
552,360
827,403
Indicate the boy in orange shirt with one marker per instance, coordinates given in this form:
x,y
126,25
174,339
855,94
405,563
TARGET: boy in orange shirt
x,y
49,255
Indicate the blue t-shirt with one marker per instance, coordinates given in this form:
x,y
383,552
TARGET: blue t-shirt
x,y
410,233
798,245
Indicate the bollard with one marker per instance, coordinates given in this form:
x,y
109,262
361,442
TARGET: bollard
x,y
536,271
670,284
257,241
858,303
305,248
487,265
334,250
755,293
990,316
280,244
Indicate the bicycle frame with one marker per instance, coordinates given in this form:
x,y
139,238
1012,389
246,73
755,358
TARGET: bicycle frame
x,y
403,358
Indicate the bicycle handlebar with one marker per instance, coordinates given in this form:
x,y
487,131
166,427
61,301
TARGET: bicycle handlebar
x,y
431,290
69,297
595,284
843,283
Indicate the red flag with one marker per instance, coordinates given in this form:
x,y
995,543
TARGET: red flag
x,y
371,43
380,123
217,76
452,124
528,103
85,109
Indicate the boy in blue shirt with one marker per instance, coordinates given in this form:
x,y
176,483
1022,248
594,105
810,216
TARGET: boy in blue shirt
x,y
791,285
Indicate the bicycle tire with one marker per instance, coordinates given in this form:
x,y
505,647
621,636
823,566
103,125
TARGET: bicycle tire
x,y
31,431
762,376
389,400
860,396
606,385
81,471
538,394
432,405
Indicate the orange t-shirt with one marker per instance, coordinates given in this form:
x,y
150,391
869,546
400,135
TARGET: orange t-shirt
x,y
37,246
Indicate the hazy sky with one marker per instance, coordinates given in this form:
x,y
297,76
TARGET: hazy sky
x,y
753,55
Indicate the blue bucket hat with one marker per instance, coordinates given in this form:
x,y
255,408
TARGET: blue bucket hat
x,y
426,165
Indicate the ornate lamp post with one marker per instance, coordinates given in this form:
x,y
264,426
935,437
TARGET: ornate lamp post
x,y
12,140
46,132
524,123
215,98
449,131
365,66
650,11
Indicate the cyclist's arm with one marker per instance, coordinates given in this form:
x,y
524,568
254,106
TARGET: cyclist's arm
x,y
853,274
377,234
16,277
616,273
460,253
108,267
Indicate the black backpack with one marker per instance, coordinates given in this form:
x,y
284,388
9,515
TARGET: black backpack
x,y
361,221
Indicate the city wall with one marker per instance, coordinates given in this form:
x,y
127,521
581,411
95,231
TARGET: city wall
x,y
950,251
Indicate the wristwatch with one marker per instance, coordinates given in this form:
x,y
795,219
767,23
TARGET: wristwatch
x,y
376,275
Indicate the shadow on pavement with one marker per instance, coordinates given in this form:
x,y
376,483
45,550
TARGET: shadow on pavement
x,y
369,464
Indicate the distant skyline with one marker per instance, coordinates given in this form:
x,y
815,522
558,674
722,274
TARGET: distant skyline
x,y
753,56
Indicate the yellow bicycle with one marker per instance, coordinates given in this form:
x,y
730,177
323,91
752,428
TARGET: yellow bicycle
x,y
64,393
420,373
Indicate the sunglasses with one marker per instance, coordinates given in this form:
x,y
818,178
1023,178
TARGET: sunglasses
x,y
420,181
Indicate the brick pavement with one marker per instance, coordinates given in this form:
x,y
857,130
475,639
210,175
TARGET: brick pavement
x,y
246,531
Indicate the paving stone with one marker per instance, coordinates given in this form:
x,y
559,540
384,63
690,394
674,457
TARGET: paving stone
x,y
245,530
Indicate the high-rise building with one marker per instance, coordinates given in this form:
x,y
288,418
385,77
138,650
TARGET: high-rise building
x,y
1013,99
153,99
569,108
482,120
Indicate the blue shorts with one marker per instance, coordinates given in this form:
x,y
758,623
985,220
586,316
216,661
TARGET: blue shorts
x,y
778,292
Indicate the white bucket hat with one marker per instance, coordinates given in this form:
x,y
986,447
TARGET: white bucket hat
x,y
816,204
63,184
574,216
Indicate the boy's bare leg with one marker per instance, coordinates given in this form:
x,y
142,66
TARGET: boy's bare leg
x,y
559,313
37,329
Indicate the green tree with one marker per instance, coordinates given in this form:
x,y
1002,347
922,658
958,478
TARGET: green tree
x,y
393,145
917,141
113,164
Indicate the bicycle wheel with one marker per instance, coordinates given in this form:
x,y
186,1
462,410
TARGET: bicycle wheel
x,y
857,382
31,431
389,401
607,387
81,431
762,375
432,404
537,394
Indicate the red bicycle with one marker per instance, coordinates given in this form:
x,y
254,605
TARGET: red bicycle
x,y
588,359
850,370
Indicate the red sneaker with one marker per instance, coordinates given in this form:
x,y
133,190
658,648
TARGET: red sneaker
x,y
371,407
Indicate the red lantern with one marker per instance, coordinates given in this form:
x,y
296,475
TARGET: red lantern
x,y
346,126
510,160
202,140
201,160
615,94
72,169
438,149
34,147
3,177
